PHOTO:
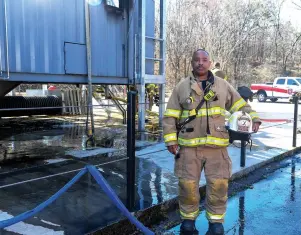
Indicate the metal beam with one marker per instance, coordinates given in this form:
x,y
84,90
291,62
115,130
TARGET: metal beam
x,y
6,86
157,79
2,77
153,38
154,59
141,105
163,56
64,79
91,130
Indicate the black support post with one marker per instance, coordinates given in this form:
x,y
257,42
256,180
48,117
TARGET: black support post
x,y
131,109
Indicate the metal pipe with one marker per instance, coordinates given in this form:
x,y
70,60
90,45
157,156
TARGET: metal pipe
x,y
89,66
153,38
296,103
0,61
7,48
155,59
17,109
163,56
141,108
135,58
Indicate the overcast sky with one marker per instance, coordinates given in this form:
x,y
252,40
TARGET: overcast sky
x,y
291,13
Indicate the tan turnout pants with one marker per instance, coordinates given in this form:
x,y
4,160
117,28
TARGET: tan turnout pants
x,y
217,166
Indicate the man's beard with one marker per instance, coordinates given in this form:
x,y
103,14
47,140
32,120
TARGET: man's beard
x,y
201,73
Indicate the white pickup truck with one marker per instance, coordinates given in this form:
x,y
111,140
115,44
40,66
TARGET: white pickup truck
x,y
282,88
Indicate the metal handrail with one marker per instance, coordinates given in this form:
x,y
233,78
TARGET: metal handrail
x,y
119,106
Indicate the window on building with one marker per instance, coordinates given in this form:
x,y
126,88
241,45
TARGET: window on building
x,y
115,6
114,3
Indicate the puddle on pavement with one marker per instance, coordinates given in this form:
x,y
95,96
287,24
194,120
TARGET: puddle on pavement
x,y
23,141
273,206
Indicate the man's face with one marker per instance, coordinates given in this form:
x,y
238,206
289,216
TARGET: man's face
x,y
200,63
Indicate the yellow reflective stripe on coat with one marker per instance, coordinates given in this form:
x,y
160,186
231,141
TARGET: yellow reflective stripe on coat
x,y
170,137
203,140
214,217
254,115
172,113
237,105
191,215
203,112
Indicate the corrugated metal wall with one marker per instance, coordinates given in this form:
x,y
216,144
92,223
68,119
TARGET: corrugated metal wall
x,y
36,36
48,37
108,42
74,21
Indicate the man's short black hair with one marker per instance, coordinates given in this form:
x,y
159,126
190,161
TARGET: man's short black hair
x,y
200,50
217,64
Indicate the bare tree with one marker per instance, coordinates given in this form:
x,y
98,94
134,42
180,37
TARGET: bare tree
x,y
249,38
297,4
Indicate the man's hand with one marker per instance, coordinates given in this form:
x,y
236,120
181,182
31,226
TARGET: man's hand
x,y
173,149
256,126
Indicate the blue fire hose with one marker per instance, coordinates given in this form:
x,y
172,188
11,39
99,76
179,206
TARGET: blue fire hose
x,y
102,183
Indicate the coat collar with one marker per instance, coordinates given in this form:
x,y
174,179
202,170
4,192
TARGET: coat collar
x,y
195,86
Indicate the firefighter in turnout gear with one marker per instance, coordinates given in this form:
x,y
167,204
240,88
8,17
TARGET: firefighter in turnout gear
x,y
152,91
218,72
200,143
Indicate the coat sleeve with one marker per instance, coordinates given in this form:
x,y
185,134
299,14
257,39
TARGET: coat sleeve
x,y
220,74
171,117
235,103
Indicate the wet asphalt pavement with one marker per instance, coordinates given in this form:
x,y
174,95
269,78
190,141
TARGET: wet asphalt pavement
x,y
40,157
271,206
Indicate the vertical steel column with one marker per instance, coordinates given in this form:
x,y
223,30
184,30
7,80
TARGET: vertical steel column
x,y
163,57
6,33
7,44
131,112
1,66
141,105
89,66
296,103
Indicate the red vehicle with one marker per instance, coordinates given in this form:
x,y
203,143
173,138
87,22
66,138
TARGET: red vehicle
x,y
282,88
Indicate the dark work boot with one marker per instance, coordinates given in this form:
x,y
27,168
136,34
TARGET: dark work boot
x,y
215,229
188,227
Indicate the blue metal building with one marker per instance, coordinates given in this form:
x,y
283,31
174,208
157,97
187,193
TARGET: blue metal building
x,y
45,41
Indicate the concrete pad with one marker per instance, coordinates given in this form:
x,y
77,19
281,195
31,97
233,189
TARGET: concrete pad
x,y
163,159
143,143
